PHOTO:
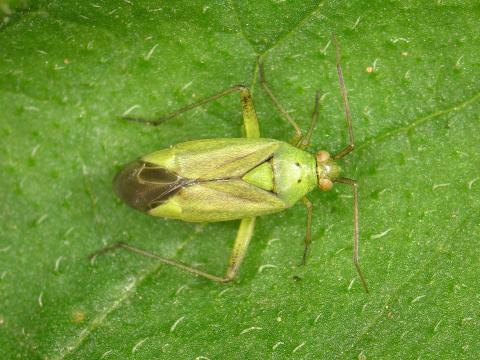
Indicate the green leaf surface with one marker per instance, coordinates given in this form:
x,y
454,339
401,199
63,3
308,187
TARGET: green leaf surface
x,y
68,69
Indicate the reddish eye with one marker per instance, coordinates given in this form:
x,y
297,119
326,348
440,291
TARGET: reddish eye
x,y
323,156
325,184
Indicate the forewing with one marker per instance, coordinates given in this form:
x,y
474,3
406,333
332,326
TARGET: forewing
x,y
219,201
214,159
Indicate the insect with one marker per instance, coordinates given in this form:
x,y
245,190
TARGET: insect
x,y
235,178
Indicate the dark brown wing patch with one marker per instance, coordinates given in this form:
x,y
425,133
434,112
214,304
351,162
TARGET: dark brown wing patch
x,y
144,185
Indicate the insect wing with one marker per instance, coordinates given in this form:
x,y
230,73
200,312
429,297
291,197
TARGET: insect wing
x,y
200,181
219,200
144,185
214,159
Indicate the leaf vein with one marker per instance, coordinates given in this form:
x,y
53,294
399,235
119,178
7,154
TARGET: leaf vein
x,y
128,290
284,36
242,32
419,121
390,298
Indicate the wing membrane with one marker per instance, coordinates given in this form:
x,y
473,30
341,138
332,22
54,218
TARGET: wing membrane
x,y
144,185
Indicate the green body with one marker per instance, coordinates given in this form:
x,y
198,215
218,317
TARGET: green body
x,y
219,179
229,179
222,179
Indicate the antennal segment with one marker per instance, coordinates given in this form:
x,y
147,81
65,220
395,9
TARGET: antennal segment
x,y
343,90
356,261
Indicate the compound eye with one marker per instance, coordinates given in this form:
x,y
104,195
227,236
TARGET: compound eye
x,y
325,184
323,156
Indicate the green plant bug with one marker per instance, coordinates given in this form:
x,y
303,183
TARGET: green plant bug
x,y
234,178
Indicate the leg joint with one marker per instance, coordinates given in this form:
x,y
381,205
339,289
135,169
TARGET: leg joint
x,y
227,279
240,87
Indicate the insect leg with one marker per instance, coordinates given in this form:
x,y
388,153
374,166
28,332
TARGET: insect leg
x,y
356,262
122,245
240,246
343,90
281,110
305,140
250,121
247,107
308,235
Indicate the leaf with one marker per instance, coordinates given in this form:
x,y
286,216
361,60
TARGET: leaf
x,y
68,70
